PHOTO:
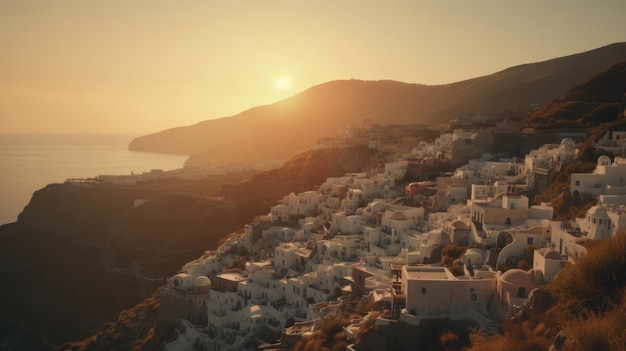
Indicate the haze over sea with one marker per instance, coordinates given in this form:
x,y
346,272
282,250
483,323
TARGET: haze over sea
x,y
28,162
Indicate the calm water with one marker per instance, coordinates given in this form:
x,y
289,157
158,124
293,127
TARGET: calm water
x,y
29,162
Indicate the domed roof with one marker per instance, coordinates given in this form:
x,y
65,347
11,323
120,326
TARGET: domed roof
x,y
202,281
604,160
517,277
568,144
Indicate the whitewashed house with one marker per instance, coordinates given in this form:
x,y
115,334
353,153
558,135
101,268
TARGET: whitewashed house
x,y
607,178
435,293
515,241
291,254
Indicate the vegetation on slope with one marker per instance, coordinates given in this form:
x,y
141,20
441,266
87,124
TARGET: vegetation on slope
x,y
593,104
330,335
589,309
134,329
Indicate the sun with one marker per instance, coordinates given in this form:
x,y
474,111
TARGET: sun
x,y
282,83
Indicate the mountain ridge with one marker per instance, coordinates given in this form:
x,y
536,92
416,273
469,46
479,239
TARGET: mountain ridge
x,y
295,124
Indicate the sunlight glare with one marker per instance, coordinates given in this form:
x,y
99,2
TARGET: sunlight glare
x,y
282,83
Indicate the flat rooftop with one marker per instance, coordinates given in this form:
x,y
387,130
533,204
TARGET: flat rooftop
x,y
427,273
232,276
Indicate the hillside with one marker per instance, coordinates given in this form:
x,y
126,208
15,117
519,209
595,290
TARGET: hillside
x,y
585,307
283,129
86,253
591,104
79,255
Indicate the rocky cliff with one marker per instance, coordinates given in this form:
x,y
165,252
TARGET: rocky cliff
x,y
79,255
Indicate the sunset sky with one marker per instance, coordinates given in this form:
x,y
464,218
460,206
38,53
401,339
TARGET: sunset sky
x,y
143,66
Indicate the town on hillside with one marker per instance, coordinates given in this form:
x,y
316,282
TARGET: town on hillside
x,y
375,237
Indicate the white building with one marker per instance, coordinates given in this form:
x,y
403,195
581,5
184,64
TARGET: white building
x,y
434,292
514,242
550,155
291,254
514,286
608,178
613,141
602,221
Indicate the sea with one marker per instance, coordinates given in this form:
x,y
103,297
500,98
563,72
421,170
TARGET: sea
x,y
28,162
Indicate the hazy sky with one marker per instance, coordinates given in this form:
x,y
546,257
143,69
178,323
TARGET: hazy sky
x,y
142,66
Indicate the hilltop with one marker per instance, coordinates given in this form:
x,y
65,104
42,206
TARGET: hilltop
x,y
295,124
591,104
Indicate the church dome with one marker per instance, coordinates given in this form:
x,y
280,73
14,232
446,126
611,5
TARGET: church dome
x,y
202,281
517,277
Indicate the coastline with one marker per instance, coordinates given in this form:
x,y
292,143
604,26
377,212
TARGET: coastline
x,y
30,161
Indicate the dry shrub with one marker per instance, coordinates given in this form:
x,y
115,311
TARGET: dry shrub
x,y
452,252
449,340
599,333
329,337
479,342
516,337
595,283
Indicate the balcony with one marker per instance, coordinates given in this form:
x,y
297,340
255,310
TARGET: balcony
x,y
397,294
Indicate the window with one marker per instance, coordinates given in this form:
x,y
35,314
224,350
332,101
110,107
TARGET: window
x,y
577,183
474,297
529,241
423,290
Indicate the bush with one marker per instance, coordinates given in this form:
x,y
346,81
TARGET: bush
x,y
452,252
329,337
595,283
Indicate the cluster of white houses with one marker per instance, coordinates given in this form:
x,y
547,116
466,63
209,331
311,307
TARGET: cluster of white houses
x,y
356,235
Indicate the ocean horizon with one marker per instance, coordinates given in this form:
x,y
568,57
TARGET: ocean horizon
x,y
30,161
